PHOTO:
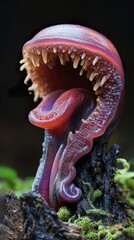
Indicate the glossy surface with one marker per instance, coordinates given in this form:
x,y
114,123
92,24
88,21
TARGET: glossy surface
x,y
79,75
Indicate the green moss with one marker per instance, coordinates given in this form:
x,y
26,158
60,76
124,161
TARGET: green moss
x,y
96,211
130,214
110,233
125,165
83,222
64,214
96,194
91,236
93,230
129,231
125,180
91,197
96,230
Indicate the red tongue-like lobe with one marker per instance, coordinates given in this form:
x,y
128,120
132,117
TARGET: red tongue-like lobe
x,y
57,107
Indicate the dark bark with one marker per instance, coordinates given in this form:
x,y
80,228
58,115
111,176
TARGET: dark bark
x,y
31,219
41,222
95,177
12,227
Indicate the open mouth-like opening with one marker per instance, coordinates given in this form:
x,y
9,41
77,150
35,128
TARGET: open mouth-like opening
x,y
61,67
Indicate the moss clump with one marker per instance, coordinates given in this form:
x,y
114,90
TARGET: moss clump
x,y
96,230
97,194
92,230
91,236
129,231
83,222
64,214
91,197
125,180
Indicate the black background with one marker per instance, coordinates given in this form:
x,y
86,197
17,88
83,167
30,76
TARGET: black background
x,y
20,142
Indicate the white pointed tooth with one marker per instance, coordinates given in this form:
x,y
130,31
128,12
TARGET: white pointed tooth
x,y
62,60
33,60
22,60
69,51
98,101
81,71
84,121
27,79
37,61
76,61
83,55
66,56
44,56
96,86
38,51
72,55
93,74
24,66
104,79
88,74
36,96
96,114
82,62
32,87
69,138
54,49
95,60
85,64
